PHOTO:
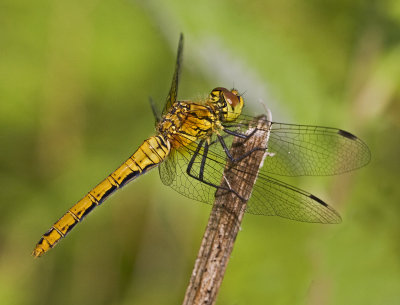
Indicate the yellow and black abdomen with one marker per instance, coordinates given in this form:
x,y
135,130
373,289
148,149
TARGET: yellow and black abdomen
x,y
153,151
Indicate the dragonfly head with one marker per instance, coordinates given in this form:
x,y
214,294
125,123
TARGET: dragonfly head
x,y
228,103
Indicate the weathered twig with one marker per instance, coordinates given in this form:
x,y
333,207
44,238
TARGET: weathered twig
x,y
226,217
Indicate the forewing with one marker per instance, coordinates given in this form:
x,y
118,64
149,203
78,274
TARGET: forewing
x,y
173,92
305,150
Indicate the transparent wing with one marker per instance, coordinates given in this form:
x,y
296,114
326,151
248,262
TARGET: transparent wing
x,y
269,197
173,92
304,150
173,172
274,197
167,169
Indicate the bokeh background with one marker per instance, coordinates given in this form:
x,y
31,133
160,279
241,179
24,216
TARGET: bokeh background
x,y
75,77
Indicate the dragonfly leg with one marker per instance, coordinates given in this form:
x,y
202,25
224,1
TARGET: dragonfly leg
x,y
232,159
200,177
240,135
216,140
203,161
193,158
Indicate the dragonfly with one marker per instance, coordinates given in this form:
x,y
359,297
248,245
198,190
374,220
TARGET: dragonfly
x,y
191,147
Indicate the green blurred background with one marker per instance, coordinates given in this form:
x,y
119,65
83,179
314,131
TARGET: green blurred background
x,y
75,77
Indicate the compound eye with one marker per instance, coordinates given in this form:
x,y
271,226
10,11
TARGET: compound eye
x,y
229,96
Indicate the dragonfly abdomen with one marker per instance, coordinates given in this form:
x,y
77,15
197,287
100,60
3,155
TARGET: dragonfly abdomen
x,y
153,151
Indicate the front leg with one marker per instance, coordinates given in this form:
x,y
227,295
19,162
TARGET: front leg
x,y
223,144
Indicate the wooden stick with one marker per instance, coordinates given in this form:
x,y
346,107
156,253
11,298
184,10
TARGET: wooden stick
x,y
226,217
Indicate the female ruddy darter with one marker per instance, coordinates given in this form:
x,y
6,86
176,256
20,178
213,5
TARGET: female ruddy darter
x,y
192,146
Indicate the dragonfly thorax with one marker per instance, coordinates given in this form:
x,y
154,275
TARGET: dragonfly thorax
x,y
186,122
227,104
